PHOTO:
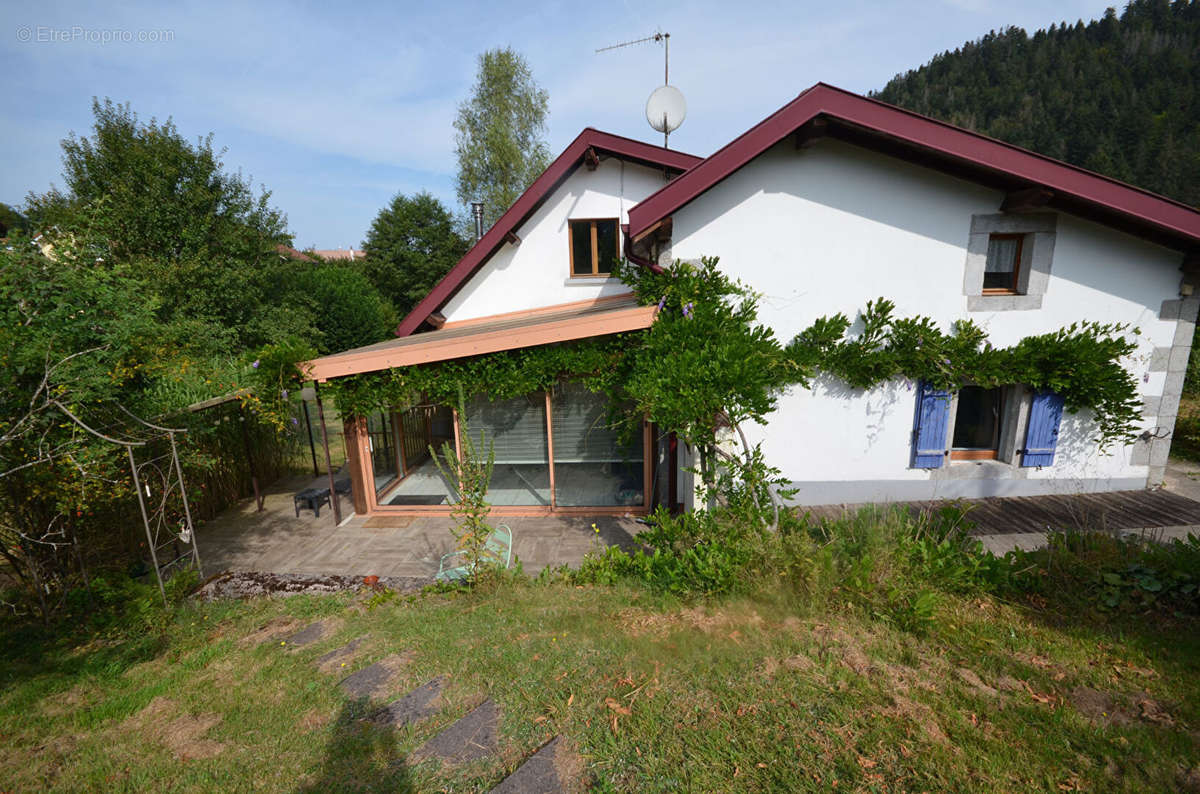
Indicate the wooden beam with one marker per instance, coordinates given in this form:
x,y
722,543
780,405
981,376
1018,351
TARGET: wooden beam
x,y
662,228
811,132
436,320
419,351
591,159
1033,198
358,458
511,238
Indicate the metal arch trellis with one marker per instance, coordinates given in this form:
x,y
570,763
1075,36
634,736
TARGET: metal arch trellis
x,y
161,473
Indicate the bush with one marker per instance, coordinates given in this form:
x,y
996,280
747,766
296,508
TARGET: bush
x,y
1111,574
346,308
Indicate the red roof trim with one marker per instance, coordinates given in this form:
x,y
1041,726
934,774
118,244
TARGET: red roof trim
x,y
562,167
1143,207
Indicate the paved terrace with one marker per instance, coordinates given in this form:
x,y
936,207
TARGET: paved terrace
x,y
1006,523
276,541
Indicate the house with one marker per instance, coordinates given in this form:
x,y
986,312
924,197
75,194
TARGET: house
x,y
832,201
332,254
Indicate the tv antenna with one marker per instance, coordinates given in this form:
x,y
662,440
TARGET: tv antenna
x,y
666,108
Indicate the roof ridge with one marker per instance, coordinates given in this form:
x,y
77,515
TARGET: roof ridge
x,y
1163,214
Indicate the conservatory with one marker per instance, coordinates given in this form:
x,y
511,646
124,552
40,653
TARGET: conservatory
x,y
558,450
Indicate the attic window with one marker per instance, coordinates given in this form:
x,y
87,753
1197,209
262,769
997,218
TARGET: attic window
x,y
1002,271
594,247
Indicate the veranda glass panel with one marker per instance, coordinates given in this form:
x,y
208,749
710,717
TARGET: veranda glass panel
x,y
593,465
422,482
381,437
516,429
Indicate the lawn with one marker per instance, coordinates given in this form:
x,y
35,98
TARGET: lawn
x,y
751,694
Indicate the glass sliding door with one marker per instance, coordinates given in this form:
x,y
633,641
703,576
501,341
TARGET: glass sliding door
x,y
516,430
595,465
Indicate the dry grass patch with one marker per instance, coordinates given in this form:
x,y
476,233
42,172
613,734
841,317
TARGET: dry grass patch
x,y
183,735
918,714
311,720
729,623
274,629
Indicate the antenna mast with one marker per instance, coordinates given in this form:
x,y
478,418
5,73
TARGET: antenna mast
x,y
665,40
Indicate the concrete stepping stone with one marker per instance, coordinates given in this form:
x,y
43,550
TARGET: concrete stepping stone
x,y
372,681
538,775
329,662
422,702
471,738
309,634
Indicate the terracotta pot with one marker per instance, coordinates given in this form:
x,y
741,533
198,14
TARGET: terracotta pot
x,y
371,580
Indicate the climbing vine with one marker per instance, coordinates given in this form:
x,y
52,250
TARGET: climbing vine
x,y
1082,362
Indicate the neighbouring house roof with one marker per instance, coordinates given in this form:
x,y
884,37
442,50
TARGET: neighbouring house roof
x,y
292,253
1031,179
339,253
589,143
489,335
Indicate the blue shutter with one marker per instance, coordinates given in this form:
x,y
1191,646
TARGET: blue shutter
x,y
929,427
1042,436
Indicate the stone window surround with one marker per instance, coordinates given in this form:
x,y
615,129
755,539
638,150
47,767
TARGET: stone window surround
x,y
1037,252
1013,424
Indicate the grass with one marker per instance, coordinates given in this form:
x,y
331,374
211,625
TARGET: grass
x,y
1185,441
749,694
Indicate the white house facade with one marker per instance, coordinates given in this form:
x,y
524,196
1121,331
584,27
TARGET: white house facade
x,y
827,228
833,201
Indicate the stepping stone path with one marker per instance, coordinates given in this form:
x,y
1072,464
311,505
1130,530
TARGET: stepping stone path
x,y
413,707
538,775
309,634
471,738
329,662
371,681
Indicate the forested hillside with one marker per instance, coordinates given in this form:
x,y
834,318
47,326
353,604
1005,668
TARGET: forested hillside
x,y
1119,95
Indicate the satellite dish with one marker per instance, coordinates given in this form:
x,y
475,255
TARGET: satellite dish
x,y
666,109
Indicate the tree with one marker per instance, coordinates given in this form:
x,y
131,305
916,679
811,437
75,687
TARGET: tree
x,y
412,243
500,140
198,235
75,330
11,220
346,309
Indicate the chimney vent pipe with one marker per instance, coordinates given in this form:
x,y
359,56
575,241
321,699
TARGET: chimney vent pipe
x,y
477,211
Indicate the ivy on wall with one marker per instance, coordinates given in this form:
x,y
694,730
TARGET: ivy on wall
x,y
707,363
1081,362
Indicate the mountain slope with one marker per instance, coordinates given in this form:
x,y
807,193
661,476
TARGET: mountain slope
x,y
1119,95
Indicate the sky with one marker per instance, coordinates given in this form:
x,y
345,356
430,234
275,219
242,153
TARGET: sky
x,y
336,108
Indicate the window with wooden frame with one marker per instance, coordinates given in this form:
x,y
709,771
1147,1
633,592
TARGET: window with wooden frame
x,y
977,420
594,247
1002,273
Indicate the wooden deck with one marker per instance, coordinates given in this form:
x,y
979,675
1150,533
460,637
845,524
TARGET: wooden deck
x,y
1007,515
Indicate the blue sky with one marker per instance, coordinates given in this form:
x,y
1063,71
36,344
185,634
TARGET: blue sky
x,y
336,108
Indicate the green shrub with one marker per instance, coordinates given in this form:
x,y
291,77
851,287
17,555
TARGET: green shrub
x,y
1111,574
697,553
1185,441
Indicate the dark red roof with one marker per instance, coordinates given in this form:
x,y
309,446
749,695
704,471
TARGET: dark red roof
x,y
562,167
939,145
